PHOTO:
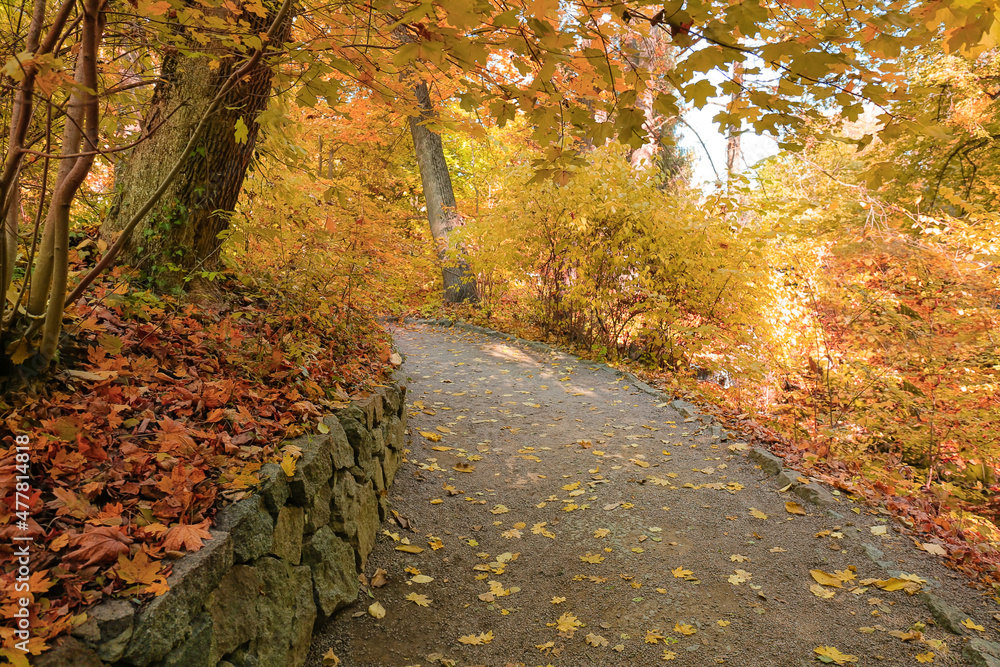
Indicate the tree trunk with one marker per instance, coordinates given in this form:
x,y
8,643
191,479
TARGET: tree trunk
x,y
459,284
734,154
180,235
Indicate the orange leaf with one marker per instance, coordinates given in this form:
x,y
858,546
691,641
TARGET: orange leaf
x,y
187,537
97,546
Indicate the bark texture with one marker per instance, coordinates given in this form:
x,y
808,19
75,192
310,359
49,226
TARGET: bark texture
x,y
459,284
181,233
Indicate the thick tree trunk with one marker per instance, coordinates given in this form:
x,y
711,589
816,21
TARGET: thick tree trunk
x,y
459,284
181,234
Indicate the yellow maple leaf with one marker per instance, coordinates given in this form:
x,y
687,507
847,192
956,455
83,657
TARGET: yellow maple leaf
x,y
653,636
794,508
680,573
925,657
602,532
567,625
558,600
499,509
477,640
969,623
829,654
592,558
757,513
826,578
571,487
433,437
821,592
419,600
596,640
668,654
684,629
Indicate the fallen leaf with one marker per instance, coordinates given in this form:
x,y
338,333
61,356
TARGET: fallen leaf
x,y
596,640
419,600
433,437
668,655
935,549
567,625
602,532
653,636
684,629
592,558
330,659
757,513
794,508
829,654
821,592
499,509
421,579
409,548
477,640
376,610
681,573
970,624
927,657
379,579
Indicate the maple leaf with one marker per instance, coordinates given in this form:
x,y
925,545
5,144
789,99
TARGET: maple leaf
x,y
668,655
592,558
829,654
97,546
330,659
557,600
680,573
567,625
186,537
419,600
684,629
601,532
596,640
139,570
653,636
477,640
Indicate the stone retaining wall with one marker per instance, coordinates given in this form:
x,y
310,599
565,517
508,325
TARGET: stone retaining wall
x,y
278,561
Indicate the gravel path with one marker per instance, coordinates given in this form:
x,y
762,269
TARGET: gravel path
x,y
567,519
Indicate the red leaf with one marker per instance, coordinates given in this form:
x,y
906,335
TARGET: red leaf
x,y
97,546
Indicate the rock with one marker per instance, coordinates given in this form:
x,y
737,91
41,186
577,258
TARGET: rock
x,y
716,431
287,540
250,525
378,477
232,606
874,553
66,652
769,463
334,573
303,618
686,410
787,478
814,493
367,520
108,628
195,651
343,455
274,487
390,465
946,615
343,504
318,514
391,401
313,469
982,653
286,615
166,620
360,438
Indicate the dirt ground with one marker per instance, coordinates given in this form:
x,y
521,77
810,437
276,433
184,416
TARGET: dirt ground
x,y
567,519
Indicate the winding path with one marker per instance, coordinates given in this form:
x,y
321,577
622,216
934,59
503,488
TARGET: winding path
x,y
568,519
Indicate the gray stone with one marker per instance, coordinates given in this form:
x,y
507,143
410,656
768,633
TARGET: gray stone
x,y
360,439
361,476
250,525
391,400
368,522
343,455
108,628
686,410
285,612
165,620
287,541
274,487
232,606
334,573
814,493
313,469
787,478
946,615
982,653
344,504
318,514
378,405
303,617
390,465
68,652
874,553
378,477
195,650
769,463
